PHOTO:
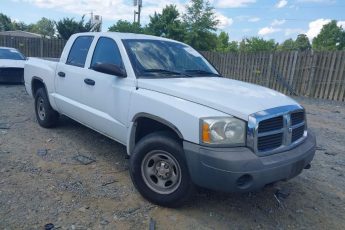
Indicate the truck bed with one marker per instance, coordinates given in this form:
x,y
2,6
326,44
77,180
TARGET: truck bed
x,y
42,68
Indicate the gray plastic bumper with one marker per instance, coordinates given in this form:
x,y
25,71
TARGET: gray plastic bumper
x,y
239,169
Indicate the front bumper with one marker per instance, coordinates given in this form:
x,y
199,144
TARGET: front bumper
x,y
240,170
11,75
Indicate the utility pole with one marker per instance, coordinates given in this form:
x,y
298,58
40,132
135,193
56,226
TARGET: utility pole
x,y
138,3
96,21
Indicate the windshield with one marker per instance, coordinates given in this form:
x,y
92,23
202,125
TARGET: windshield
x,y
157,58
12,54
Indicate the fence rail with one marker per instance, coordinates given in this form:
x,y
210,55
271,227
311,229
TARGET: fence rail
x,y
311,74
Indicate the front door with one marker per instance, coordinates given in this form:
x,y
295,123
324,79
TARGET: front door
x,y
107,96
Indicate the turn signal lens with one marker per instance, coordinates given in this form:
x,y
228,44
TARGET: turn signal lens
x,y
206,133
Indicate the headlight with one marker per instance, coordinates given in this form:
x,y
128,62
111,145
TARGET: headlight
x,y
223,131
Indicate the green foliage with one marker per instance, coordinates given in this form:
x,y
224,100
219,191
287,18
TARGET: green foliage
x,y
287,45
256,44
200,21
224,45
68,26
233,46
126,27
331,37
20,26
45,27
223,42
167,24
302,43
5,23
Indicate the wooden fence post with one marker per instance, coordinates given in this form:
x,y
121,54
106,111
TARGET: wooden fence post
x,y
41,47
312,74
269,70
292,73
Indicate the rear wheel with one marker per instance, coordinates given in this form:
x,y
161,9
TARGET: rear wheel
x,y
46,116
159,170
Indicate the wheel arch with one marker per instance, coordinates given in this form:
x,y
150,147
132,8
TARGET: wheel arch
x,y
144,124
37,83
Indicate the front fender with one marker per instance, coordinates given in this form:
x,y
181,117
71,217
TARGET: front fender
x,y
181,115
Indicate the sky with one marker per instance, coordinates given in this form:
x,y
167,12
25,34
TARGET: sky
x,y
270,19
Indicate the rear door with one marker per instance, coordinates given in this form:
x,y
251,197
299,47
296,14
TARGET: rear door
x,y
70,75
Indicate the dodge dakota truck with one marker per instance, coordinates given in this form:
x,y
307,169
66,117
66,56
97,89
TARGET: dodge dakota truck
x,y
183,124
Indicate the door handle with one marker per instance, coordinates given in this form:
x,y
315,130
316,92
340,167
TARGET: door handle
x,y
89,81
61,74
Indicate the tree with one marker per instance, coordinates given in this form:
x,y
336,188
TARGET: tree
x,y
45,27
287,45
224,45
5,23
126,27
331,37
167,24
302,43
256,44
222,42
68,26
200,21
20,26
233,46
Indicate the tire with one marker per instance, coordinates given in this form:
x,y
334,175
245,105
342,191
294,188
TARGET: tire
x,y
159,171
46,116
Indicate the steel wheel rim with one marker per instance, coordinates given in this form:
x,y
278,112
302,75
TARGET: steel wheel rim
x,y
161,172
40,109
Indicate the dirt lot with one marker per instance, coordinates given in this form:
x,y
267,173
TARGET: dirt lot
x,y
76,178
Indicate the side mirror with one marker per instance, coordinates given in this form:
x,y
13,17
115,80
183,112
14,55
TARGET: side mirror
x,y
109,68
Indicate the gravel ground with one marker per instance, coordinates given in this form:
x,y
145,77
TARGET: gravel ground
x,y
75,178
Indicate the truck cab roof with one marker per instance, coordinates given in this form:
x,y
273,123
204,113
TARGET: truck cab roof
x,y
120,35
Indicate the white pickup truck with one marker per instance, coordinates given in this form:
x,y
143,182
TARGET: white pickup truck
x,y
182,123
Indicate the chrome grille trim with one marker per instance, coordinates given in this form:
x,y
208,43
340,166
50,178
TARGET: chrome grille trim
x,y
285,112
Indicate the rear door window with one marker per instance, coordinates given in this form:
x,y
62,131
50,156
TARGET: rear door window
x,y
78,53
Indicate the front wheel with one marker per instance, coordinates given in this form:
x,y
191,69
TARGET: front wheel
x,y
159,170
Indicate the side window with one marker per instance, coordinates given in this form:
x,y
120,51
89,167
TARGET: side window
x,y
80,48
107,51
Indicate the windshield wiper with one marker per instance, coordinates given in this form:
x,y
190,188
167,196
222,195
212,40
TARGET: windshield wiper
x,y
162,71
202,72
165,71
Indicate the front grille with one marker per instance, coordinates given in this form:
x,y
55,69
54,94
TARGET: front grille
x,y
271,124
297,118
297,133
268,135
266,143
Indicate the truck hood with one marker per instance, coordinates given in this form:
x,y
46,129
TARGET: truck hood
x,y
233,97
